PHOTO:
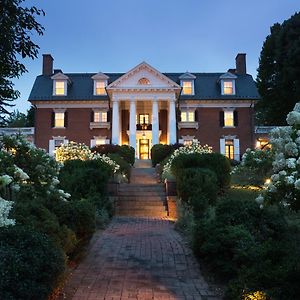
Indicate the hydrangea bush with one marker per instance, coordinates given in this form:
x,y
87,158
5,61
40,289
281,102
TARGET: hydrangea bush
x,y
73,150
195,147
284,187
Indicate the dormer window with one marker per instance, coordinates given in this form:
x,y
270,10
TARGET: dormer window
x,y
100,87
228,83
60,84
100,83
187,83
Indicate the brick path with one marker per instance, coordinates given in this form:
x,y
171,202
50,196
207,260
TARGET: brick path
x,y
139,258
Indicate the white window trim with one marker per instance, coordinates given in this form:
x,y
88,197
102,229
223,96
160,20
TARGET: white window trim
x,y
193,86
105,85
222,87
65,87
93,141
52,143
59,110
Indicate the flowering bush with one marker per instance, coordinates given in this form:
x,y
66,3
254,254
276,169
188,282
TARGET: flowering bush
x,y
255,167
72,151
284,187
195,147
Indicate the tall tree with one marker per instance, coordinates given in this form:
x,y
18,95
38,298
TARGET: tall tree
x,y
278,78
17,24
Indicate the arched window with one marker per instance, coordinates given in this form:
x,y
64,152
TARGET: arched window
x,y
144,81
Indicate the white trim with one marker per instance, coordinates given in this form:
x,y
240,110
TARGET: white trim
x,y
73,105
105,85
52,143
222,146
213,104
65,87
233,87
236,149
193,86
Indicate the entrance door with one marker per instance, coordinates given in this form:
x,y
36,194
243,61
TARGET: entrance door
x,y
144,149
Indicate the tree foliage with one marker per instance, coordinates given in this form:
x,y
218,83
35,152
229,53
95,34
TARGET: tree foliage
x,y
19,119
17,24
278,78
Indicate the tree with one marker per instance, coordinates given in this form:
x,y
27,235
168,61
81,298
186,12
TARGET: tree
x,y
19,119
278,78
17,24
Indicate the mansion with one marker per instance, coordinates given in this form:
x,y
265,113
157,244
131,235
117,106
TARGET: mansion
x,y
144,107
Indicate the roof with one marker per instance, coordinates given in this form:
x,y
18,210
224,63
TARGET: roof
x,y
206,86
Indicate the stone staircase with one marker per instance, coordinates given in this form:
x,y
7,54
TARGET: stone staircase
x,y
143,196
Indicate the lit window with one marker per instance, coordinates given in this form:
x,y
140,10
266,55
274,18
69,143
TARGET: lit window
x,y
228,87
187,142
229,149
100,141
59,120
100,87
187,116
187,87
228,119
144,81
59,87
100,116
144,119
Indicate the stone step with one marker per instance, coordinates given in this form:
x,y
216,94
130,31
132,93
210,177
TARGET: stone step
x,y
142,198
143,194
141,187
148,209
141,213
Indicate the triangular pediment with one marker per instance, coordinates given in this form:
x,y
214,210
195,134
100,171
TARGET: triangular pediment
x,y
228,75
143,76
188,76
100,76
60,76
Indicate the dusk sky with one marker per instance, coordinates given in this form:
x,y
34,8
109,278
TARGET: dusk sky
x,y
170,35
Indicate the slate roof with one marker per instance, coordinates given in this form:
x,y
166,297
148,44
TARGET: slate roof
x,y
207,87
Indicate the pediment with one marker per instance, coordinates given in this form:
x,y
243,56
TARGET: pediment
x,y
100,76
228,75
143,76
60,76
188,76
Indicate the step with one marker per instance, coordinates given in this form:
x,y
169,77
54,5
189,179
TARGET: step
x,y
141,186
142,213
142,198
146,209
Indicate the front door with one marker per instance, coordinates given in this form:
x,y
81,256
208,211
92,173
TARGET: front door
x,y
144,149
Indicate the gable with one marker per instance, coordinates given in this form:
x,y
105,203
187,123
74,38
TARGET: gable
x,y
143,76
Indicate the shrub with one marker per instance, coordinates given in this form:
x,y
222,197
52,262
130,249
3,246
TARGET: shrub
x,y
85,178
198,188
126,152
30,264
216,162
125,167
159,152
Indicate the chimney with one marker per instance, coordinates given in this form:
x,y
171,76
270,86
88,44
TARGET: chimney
x,y
240,62
47,64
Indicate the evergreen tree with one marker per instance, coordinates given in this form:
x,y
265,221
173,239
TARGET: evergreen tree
x,y
278,78
17,23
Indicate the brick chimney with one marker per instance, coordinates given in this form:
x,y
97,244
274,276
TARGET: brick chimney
x,y
240,62
47,64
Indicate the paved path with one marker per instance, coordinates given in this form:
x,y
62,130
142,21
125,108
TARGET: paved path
x,y
141,259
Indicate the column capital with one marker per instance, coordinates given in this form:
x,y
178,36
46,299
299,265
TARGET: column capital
x,y
155,99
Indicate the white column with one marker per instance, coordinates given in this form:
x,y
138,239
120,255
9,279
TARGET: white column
x,y
155,122
115,123
172,122
132,123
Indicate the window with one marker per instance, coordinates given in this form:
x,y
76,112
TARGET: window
x,y
228,118
187,116
187,87
228,87
100,87
100,141
58,142
229,149
59,119
100,116
59,88
144,119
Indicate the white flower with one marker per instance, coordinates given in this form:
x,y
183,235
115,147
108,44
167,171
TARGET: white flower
x,y
272,188
20,173
291,149
291,163
297,184
260,199
55,181
293,118
282,173
289,180
5,180
5,207
275,177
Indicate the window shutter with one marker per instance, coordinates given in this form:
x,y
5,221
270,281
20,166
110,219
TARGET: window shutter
x,y
222,146
51,147
196,115
66,119
53,119
92,116
235,118
236,147
221,118
108,116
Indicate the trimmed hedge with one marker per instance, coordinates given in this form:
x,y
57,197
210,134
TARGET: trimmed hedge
x,y
30,264
216,162
160,152
126,152
125,167
197,187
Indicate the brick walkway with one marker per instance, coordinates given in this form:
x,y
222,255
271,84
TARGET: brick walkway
x,y
139,258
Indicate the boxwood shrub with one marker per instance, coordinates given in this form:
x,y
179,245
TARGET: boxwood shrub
x,y
216,162
30,264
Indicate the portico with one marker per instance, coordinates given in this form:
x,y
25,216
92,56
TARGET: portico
x,y
143,109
